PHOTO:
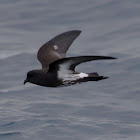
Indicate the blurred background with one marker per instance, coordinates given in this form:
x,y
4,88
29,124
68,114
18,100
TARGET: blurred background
x,y
104,110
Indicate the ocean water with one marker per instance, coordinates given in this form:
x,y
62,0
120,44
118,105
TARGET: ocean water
x,y
104,110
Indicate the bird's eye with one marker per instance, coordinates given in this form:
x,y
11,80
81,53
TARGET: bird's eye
x,y
29,75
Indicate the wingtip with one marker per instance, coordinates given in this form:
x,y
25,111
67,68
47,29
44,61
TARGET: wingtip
x,y
114,58
77,31
110,57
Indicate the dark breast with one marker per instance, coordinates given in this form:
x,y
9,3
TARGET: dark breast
x,y
52,80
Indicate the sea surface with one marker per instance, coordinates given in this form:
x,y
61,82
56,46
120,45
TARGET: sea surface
x,y
104,110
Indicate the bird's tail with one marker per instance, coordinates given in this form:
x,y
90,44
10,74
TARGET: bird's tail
x,y
93,77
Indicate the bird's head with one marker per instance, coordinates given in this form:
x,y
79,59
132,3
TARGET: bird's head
x,y
33,77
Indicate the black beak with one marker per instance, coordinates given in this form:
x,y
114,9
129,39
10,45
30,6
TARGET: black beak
x,y
25,81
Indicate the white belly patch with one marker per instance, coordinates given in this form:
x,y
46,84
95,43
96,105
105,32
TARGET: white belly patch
x,y
66,78
72,78
82,75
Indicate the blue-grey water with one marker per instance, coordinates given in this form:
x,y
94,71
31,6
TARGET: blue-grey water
x,y
105,110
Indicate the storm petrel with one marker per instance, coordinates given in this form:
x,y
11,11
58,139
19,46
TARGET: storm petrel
x,y
60,71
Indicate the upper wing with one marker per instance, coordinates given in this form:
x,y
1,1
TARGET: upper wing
x,y
69,64
56,48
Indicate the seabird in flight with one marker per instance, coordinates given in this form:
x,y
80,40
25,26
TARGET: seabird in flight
x,y
57,70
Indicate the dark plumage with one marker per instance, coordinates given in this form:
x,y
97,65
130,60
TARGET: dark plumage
x,y
58,70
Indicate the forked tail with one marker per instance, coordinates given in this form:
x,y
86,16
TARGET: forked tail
x,y
92,77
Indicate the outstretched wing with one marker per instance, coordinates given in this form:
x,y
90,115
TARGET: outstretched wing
x,y
69,64
56,48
